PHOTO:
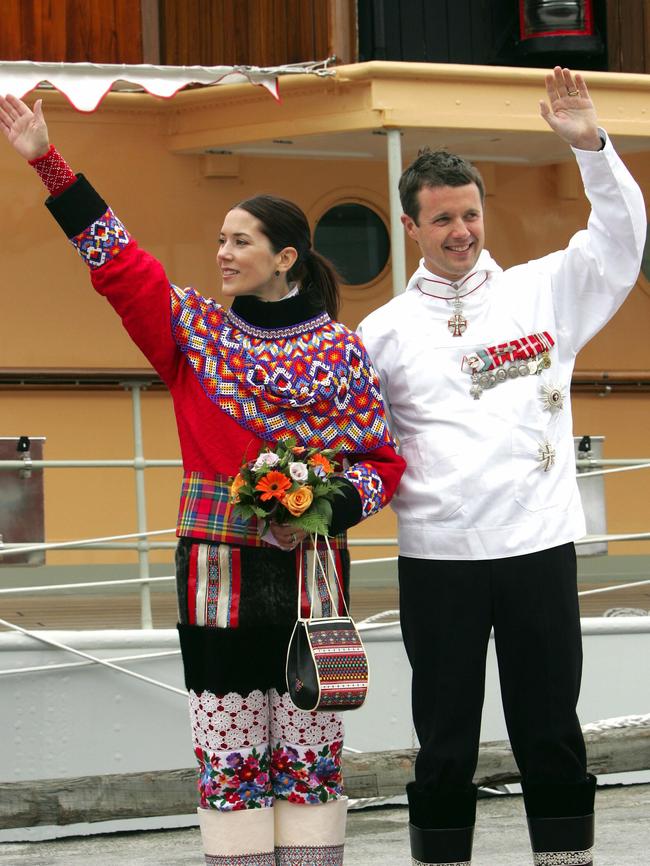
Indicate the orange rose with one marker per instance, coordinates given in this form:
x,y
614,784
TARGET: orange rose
x,y
237,483
320,460
298,501
273,485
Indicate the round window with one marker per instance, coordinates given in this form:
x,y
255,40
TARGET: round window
x,y
354,238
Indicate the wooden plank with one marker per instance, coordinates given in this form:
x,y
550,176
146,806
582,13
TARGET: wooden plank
x,y
263,20
631,32
33,30
150,17
342,28
103,32
115,608
614,49
173,792
10,32
321,30
300,35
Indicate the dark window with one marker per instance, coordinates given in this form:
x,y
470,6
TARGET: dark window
x,y
354,238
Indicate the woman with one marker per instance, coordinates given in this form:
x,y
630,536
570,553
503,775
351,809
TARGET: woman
x,y
273,365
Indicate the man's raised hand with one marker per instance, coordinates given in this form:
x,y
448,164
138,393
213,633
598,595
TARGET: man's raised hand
x,y
569,110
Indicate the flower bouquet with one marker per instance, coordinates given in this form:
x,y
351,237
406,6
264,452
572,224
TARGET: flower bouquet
x,y
288,484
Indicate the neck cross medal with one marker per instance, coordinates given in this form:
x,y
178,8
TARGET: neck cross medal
x,y
457,324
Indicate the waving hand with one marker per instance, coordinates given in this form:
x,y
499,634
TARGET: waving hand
x,y
569,110
25,129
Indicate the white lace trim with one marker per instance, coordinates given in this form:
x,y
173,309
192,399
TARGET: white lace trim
x,y
563,858
234,722
229,722
291,725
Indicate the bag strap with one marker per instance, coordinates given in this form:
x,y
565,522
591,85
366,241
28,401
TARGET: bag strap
x,y
314,582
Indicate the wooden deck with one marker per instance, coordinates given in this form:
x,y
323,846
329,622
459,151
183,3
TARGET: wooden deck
x,y
121,610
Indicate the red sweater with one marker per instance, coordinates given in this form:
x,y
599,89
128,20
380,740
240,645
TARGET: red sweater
x,y
239,378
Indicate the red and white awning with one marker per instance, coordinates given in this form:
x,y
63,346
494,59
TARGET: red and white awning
x,y
86,84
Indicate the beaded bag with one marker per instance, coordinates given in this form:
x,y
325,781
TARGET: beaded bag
x,y
327,666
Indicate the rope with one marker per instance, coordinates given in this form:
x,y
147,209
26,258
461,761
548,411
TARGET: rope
x,y
617,723
29,548
103,662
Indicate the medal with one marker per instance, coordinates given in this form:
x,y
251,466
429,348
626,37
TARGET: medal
x,y
552,398
527,356
546,456
457,323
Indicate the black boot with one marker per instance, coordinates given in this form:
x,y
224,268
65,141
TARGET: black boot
x,y
441,825
561,822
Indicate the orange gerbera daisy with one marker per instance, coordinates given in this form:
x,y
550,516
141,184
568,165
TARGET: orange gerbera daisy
x,y
321,460
273,486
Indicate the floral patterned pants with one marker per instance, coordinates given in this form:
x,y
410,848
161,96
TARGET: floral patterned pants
x,y
260,748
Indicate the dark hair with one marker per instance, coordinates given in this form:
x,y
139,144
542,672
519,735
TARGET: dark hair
x,y
285,225
435,168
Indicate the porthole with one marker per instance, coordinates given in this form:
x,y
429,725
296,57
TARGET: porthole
x,y
354,238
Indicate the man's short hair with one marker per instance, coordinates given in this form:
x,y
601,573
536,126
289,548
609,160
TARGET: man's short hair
x,y
435,168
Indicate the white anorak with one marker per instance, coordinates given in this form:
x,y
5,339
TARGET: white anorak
x,y
476,484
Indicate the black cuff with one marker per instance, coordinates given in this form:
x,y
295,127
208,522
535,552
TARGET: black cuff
x,y
76,207
559,799
346,508
223,660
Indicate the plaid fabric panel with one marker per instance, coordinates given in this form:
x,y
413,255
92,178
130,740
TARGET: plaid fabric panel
x,y
102,240
206,512
368,485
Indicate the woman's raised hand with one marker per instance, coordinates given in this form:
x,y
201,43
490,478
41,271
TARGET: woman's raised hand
x,y
25,129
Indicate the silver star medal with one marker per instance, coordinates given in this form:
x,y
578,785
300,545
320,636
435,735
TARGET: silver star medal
x,y
552,398
546,455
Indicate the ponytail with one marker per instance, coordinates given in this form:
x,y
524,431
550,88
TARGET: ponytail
x,y
320,280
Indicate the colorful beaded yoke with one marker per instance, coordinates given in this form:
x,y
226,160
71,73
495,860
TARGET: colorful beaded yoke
x,y
312,380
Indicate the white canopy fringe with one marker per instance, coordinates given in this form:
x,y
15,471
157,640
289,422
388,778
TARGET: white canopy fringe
x,y
86,84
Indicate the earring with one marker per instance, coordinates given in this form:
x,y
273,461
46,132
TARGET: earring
x,y
277,273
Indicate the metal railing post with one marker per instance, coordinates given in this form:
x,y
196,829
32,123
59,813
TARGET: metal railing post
x,y
146,618
397,240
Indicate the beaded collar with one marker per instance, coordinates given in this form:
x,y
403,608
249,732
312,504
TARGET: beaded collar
x,y
291,316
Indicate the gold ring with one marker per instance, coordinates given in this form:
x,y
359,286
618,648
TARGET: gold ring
x,y
573,93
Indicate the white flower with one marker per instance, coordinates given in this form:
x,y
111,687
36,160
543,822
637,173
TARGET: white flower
x,y
265,459
298,471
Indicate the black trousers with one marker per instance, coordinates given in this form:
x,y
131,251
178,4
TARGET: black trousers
x,y
447,611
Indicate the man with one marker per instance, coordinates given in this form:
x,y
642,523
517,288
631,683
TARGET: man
x,y
475,364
